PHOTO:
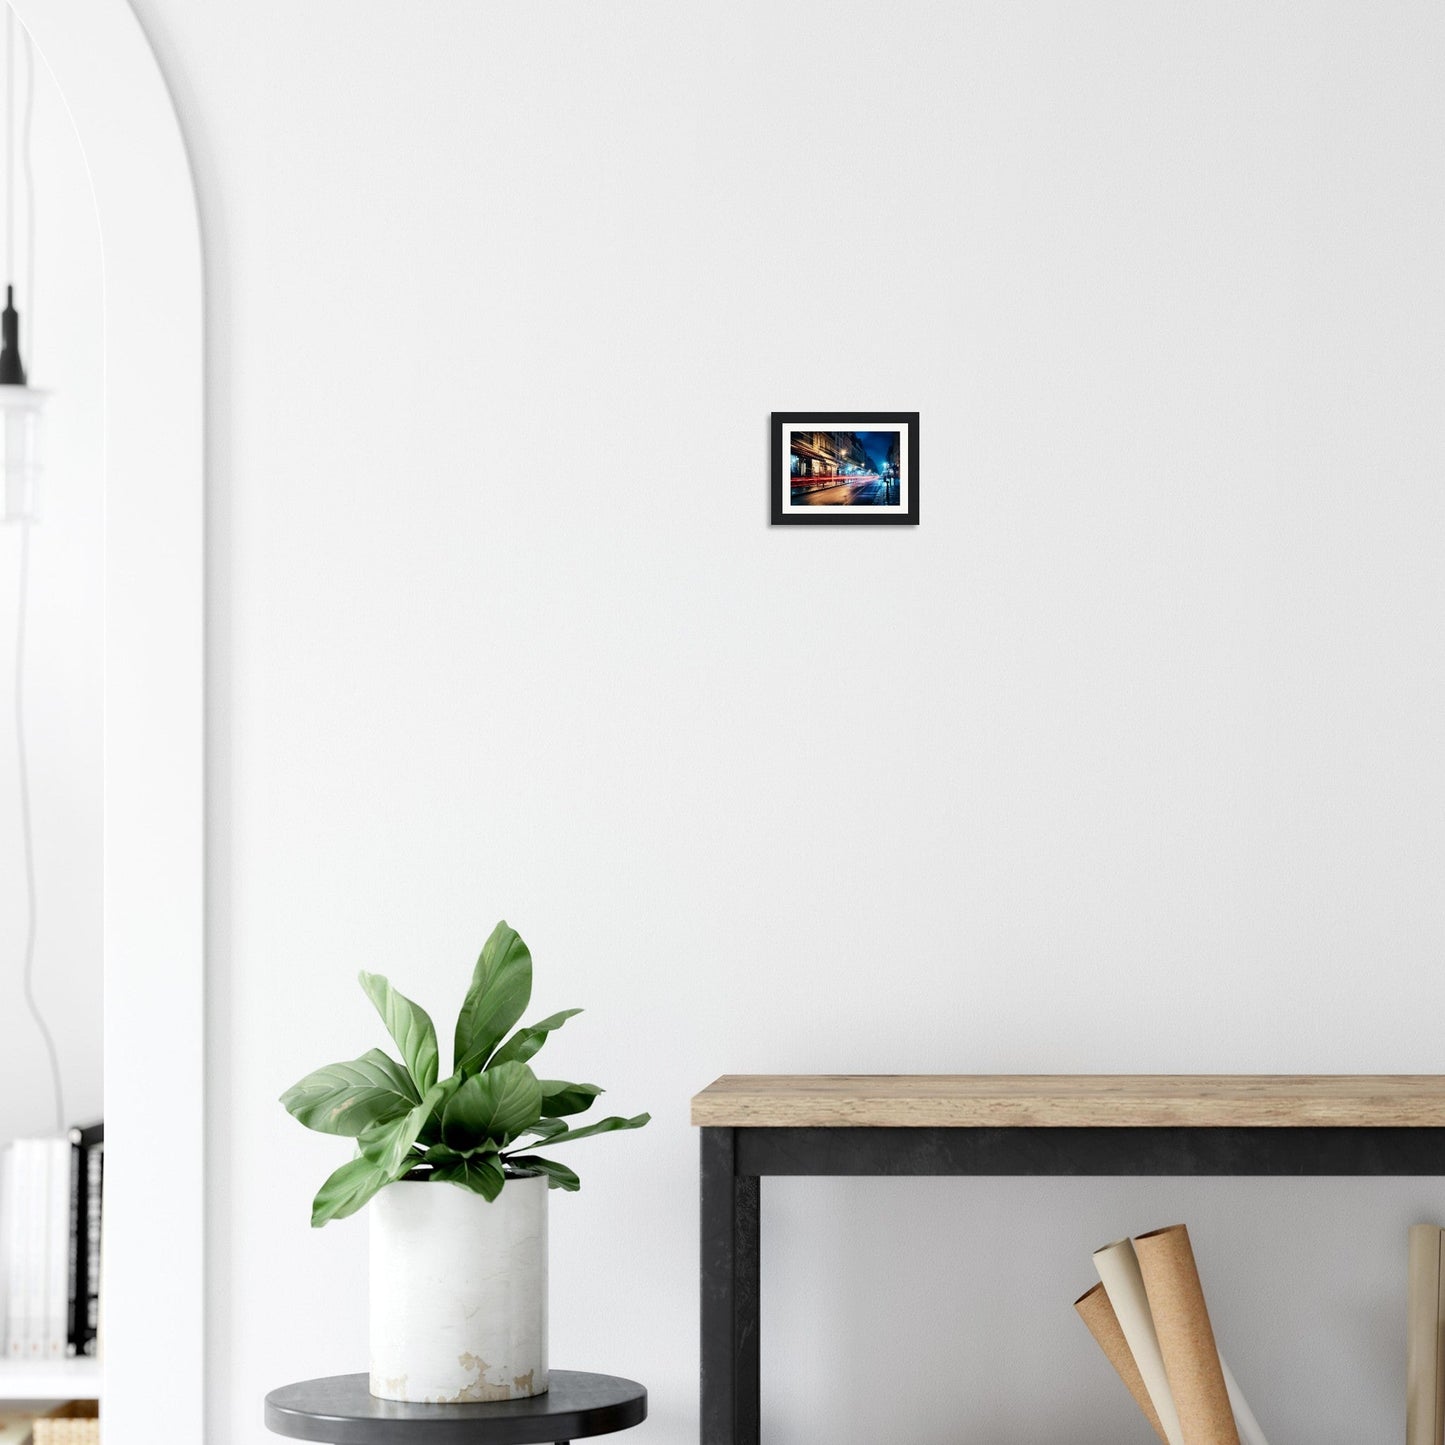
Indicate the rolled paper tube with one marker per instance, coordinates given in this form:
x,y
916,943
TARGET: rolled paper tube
x,y
1186,1338
1244,1421
1096,1312
1440,1352
1423,1337
1119,1270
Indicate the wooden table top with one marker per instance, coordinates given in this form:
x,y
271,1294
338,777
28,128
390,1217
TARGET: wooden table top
x,y
1021,1101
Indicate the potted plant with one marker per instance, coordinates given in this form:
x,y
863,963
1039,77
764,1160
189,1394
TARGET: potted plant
x,y
459,1273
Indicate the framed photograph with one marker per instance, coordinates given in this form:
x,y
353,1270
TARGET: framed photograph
x,y
845,466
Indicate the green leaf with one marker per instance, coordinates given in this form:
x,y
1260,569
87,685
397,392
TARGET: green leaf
x,y
409,1024
347,1190
559,1097
525,1042
602,1126
431,1130
390,1145
559,1176
352,1097
501,988
482,1174
546,1129
497,1104
444,1154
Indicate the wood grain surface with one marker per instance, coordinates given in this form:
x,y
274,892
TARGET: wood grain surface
x,y
1021,1101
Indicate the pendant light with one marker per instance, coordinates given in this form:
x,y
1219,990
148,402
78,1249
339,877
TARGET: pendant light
x,y
20,403
20,421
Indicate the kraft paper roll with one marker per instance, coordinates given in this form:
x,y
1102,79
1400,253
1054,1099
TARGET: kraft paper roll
x,y
1098,1314
1119,1270
1186,1338
1424,1339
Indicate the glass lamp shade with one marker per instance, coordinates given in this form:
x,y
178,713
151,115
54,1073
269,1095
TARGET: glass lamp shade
x,y
20,424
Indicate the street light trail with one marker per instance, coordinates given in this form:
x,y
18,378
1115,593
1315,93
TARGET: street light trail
x,y
868,490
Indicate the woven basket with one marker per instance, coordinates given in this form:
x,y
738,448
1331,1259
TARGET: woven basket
x,y
77,1423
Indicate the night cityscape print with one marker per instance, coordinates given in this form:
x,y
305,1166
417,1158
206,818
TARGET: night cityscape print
x,y
844,468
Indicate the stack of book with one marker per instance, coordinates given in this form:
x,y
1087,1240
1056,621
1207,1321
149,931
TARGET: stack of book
x,y
51,1193
1148,1315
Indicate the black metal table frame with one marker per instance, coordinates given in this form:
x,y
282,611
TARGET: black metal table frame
x,y
735,1161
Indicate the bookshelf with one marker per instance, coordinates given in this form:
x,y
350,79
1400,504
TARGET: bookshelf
x,y
754,1126
50,1380
51,1206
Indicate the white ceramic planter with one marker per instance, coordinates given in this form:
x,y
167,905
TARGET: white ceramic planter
x,y
459,1292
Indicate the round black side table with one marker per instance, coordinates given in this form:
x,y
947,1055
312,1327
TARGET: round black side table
x,y
341,1410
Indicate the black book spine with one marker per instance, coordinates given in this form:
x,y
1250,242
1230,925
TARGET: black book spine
x,y
85,1190
78,1239
95,1187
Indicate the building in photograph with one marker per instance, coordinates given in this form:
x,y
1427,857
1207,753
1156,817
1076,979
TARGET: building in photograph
x,y
826,454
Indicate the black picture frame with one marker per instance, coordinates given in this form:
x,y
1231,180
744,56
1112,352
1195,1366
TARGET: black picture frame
x,y
780,482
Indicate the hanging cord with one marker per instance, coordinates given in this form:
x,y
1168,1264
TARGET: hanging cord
x,y
27,834
29,192
9,144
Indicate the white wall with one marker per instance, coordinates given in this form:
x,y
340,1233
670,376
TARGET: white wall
x,y
60,341
1129,757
